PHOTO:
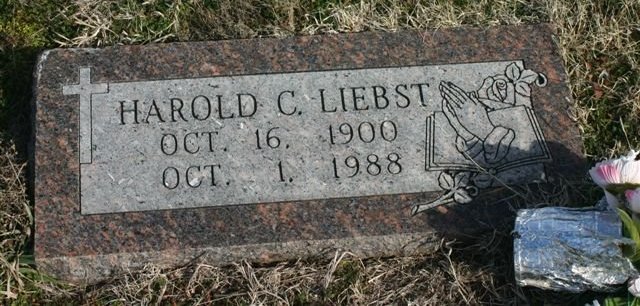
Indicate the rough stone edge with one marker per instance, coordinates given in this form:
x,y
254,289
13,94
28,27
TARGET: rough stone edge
x,y
88,269
36,74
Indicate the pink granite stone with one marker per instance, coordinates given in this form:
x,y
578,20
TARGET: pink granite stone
x,y
86,248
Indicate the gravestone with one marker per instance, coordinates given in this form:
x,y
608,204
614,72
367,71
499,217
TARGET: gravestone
x,y
271,149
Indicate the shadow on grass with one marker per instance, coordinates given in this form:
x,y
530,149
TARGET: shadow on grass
x,y
483,228
495,207
16,81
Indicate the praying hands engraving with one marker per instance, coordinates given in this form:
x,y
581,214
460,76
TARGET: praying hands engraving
x,y
478,138
495,130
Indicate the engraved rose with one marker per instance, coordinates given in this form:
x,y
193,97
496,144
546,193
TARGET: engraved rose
x,y
499,89
511,88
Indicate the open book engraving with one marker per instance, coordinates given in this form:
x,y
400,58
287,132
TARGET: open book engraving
x,y
492,130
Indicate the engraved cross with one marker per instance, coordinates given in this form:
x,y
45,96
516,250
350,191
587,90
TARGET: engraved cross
x,y
85,89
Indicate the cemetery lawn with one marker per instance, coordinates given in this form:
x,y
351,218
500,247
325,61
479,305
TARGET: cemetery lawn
x,y
599,41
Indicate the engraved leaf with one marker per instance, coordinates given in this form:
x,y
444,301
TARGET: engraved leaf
x,y
483,180
512,72
461,179
528,76
523,89
461,196
445,180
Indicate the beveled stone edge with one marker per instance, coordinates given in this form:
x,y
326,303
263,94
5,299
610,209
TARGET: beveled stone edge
x,y
89,269
193,254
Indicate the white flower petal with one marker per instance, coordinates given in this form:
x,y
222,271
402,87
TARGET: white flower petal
x,y
631,156
634,287
633,197
612,200
630,172
595,303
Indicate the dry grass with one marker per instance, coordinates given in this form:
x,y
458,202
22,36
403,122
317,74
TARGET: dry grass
x,y
15,219
445,278
600,45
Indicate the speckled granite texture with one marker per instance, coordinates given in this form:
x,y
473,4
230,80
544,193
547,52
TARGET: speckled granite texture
x,y
86,248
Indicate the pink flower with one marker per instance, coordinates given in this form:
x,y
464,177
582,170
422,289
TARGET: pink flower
x,y
624,170
617,175
633,197
606,173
